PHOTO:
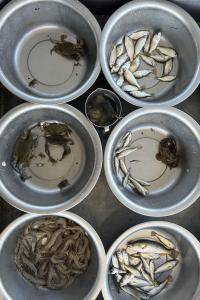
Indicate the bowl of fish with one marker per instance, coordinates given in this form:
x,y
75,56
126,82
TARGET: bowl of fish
x,y
57,256
51,157
52,56
149,164
153,260
144,52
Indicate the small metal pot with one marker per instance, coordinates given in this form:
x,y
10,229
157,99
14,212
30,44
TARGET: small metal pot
x,y
14,287
83,167
28,68
114,98
171,191
177,26
187,284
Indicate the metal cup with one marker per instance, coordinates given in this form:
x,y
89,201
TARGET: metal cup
x,y
114,97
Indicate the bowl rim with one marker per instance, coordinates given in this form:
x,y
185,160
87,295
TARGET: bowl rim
x,y
171,210
86,190
14,5
83,223
160,224
168,6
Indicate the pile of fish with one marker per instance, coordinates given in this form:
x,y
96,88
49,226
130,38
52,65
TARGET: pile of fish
x,y
144,268
125,60
121,152
52,251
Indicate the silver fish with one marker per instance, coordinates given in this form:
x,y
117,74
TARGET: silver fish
x,y
149,255
167,78
147,44
115,69
115,262
119,62
127,152
118,277
149,247
140,94
148,60
142,73
125,180
126,279
168,67
120,80
123,168
128,139
138,282
146,276
142,182
136,35
116,163
138,187
120,49
160,58
134,261
120,257
158,289
139,268
113,57
130,78
139,45
114,271
152,269
133,271
169,265
125,257
124,67
136,294
119,150
147,288
129,88
167,51
146,265
129,47
135,64
163,240
155,41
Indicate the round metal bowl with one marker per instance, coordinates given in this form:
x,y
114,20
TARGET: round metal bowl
x,y
171,191
28,68
82,168
178,29
186,284
14,287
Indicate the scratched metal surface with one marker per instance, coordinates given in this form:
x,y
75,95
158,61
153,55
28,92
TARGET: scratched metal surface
x,y
101,209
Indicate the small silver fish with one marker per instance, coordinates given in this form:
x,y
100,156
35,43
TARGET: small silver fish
x,y
158,289
142,73
152,269
138,282
127,152
113,57
118,277
169,265
134,261
155,41
139,268
125,257
147,288
140,94
129,88
136,294
146,265
163,240
160,58
167,51
126,279
123,168
114,271
147,44
136,35
120,80
148,60
115,69
140,189
119,150
119,62
128,139
120,49
142,182
168,67
120,257
125,180
124,67
115,262
146,276
130,78
139,45
133,270
167,78
129,47
148,247
135,64
116,163
149,255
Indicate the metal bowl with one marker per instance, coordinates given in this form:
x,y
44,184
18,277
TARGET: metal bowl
x,y
14,287
82,168
27,67
186,284
171,191
178,29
